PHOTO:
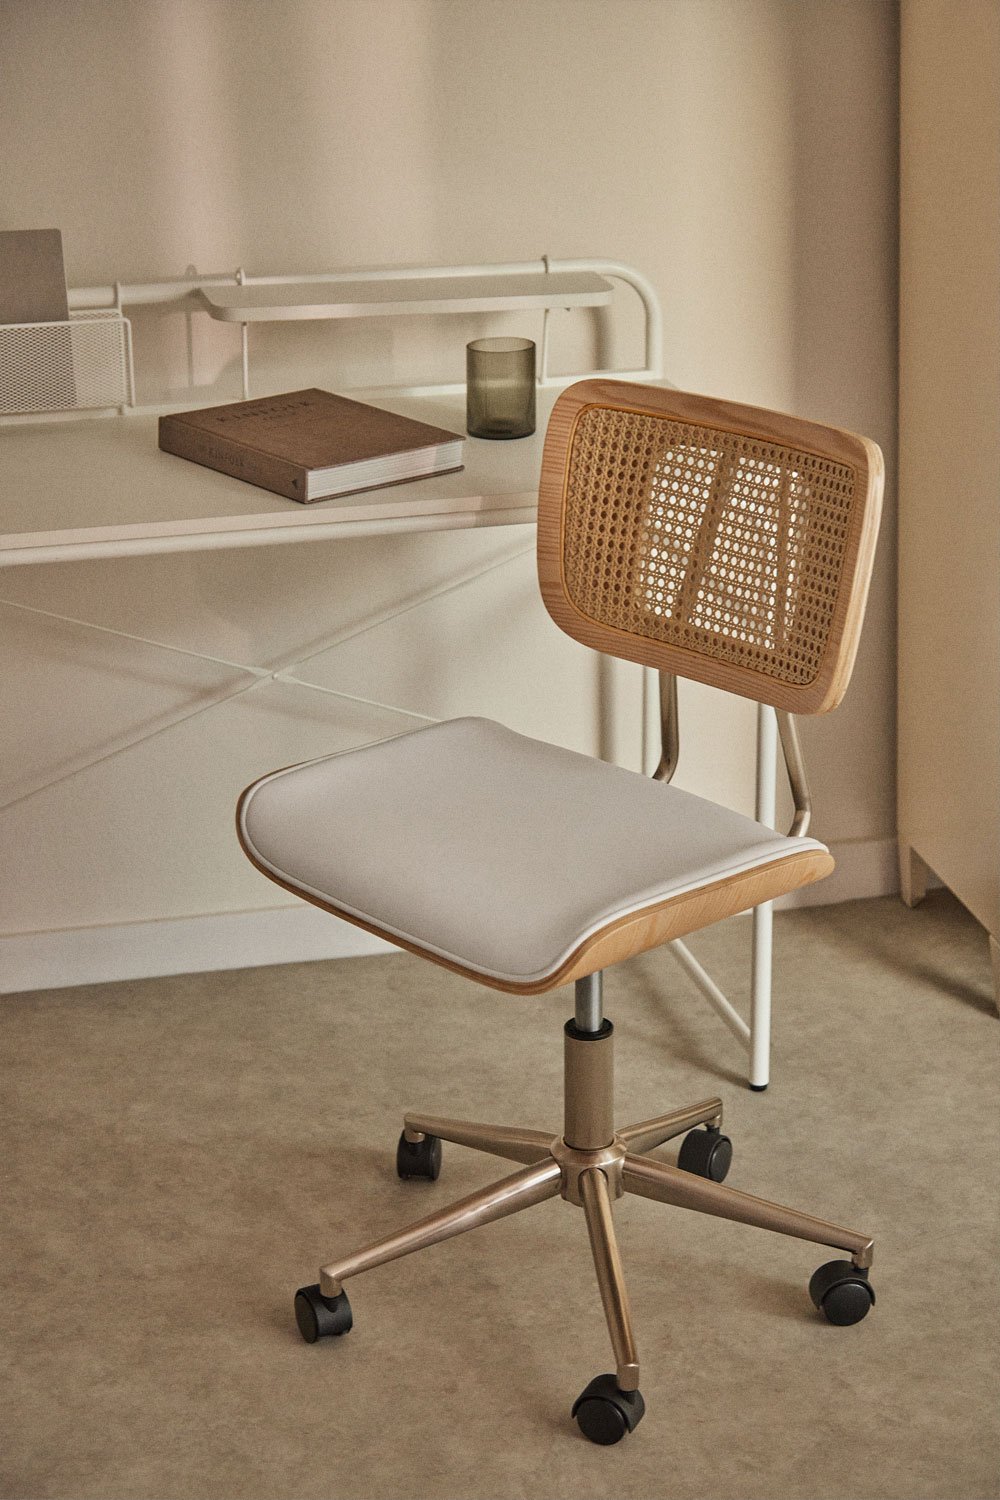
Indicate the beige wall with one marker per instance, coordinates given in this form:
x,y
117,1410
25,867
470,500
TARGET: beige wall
x,y
741,153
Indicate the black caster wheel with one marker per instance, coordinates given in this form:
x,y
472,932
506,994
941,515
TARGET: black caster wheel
x,y
605,1414
709,1153
842,1292
320,1317
419,1158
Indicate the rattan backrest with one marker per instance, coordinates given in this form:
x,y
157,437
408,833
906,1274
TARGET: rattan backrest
x,y
719,542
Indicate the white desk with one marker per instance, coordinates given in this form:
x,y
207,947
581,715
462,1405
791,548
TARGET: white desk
x,y
100,487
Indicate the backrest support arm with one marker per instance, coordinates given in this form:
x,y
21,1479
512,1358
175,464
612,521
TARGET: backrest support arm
x,y
791,750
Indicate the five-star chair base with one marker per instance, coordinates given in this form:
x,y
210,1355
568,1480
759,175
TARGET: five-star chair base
x,y
590,1165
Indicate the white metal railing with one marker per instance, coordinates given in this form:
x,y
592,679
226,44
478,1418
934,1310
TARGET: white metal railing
x,y
181,292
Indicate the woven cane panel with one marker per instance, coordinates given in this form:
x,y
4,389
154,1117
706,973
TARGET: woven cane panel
x,y
712,541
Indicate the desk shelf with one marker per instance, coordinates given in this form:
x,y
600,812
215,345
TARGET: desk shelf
x,y
269,302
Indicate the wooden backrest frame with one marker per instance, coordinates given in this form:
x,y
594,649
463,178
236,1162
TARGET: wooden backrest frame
x,y
846,584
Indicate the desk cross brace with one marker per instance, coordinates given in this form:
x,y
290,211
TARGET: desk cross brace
x,y
755,1036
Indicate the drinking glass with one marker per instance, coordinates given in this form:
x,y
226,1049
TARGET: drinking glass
x,y
500,387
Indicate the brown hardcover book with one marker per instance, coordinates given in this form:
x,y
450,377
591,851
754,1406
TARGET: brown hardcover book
x,y
310,445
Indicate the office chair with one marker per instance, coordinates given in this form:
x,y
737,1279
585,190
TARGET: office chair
x,y
709,540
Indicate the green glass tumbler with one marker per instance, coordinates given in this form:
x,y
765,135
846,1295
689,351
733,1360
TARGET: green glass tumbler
x,y
500,388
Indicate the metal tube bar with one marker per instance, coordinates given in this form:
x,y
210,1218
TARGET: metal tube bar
x,y
411,273
669,728
174,289
542,372
537,267
647,729
498,1140
791,749
377,619
143,738
147,293
651,1133
245,358
647,294
529,1186
588,994
710,990
767,764
763,915
610,1276
666,1184
142,640
761,948
129,363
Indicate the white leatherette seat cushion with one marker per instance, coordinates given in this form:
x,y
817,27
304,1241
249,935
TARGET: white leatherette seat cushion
x,y
496,851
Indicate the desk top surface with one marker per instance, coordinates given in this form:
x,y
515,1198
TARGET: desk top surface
x,y
101,486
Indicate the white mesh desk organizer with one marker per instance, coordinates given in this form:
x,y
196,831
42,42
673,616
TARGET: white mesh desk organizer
x,y
82,364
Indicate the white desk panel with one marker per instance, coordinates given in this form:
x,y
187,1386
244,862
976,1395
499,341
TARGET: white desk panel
x,y
101,487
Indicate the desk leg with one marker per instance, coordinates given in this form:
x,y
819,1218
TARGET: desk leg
x,y
763,916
